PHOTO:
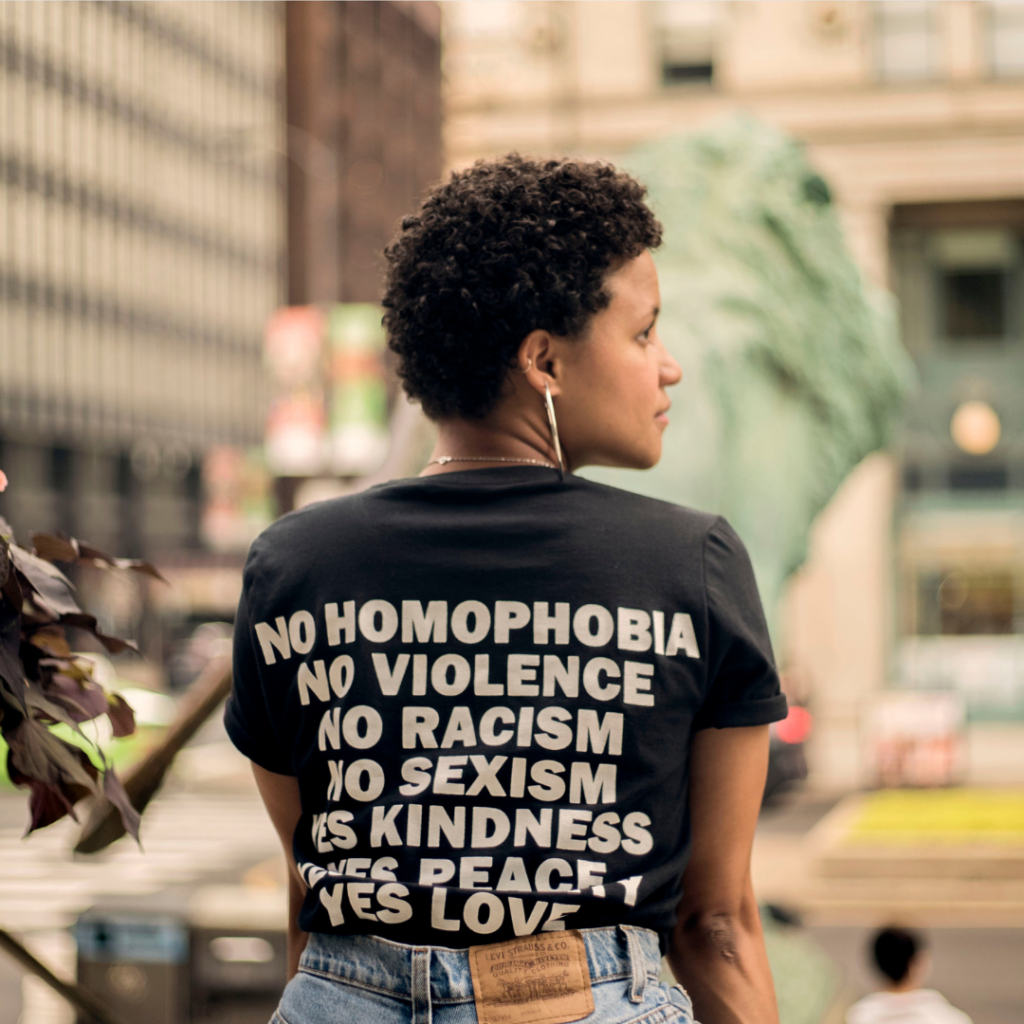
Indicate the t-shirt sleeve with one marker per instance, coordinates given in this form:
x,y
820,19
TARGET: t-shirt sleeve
x,y
247,717
743,685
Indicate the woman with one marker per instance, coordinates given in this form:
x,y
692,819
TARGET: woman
x,y
499,703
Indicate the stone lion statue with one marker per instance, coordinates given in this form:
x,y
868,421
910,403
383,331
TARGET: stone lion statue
x,y
793,369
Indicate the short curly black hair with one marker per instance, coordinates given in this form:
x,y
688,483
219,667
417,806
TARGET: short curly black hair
x,y
503,248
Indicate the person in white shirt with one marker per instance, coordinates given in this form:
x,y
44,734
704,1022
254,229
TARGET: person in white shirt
x,y
902,959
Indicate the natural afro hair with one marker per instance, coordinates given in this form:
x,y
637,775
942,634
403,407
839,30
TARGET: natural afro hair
x,y
503,248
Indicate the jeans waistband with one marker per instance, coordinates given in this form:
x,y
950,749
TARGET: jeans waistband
x,y
411,972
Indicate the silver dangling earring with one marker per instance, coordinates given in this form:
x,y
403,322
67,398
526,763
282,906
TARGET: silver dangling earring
x,y
554,430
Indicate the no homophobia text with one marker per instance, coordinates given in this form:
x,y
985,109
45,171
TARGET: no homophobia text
x,y
474,736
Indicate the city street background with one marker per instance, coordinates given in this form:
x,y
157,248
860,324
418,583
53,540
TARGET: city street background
x,y
194,199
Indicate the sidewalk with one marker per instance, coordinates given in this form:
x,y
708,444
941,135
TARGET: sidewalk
x,y
946,858
204,828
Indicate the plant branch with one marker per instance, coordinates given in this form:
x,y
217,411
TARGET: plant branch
x,y
81,999
141,783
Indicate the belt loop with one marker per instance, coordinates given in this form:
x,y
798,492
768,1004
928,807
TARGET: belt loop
x,y
420,986
637,964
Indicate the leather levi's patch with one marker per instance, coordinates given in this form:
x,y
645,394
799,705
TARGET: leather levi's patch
x,y
539,979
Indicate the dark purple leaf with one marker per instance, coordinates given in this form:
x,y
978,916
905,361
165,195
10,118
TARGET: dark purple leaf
x,y
50,802
140,566
38,754
52,640
115,793
12,705
10,590
77,668
66,685
11,670
54,548
115,645
58,548
81,701
58,773
42,682
51,586
47,804
121,715
88,553
34,614
33,566
56,709
92,698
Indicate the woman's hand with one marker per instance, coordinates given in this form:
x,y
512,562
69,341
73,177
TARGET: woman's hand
x,y
717,948
281,796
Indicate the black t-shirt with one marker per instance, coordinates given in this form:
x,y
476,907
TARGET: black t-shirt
x,y
486,683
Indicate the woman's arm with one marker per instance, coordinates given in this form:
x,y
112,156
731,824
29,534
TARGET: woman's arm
x,y
718,949
281,796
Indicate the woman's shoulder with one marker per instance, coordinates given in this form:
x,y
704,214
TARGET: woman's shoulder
x,y
646,510
362,520
307,530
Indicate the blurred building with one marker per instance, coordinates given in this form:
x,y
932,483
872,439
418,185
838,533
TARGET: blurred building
x,y
364,124
172,173
364,129
914,111
141,251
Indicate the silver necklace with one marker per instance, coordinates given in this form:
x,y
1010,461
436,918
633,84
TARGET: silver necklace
x,y
445,459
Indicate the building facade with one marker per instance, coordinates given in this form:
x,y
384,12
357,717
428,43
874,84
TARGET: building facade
x,y
364,127
914,112
142,247
171,174
364,123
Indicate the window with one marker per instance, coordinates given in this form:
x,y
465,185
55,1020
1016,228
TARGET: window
x,y
904,41
686,36
978,478
962,317
913,478
959,603
973,304
977,271
1005,25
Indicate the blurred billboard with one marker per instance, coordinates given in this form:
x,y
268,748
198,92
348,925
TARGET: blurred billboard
x,y
330,412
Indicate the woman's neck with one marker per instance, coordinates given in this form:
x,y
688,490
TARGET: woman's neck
x,y
465,444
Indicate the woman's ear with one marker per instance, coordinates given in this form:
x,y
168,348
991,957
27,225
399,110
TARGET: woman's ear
x,y
539,361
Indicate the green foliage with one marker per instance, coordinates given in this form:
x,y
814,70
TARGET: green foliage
x,y
807,982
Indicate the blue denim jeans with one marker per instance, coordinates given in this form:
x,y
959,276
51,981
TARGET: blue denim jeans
x,y
362,979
